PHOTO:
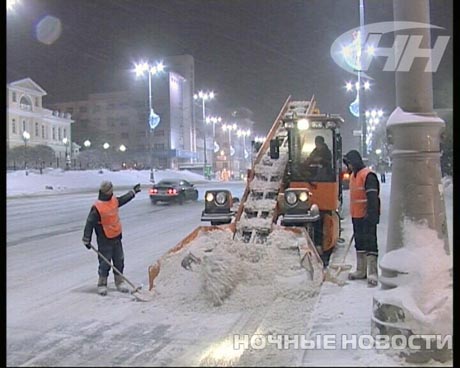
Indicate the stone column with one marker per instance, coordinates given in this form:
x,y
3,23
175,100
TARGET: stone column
x,y
416,189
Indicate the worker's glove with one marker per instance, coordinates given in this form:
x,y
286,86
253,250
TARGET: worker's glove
x,y
137,188
87,244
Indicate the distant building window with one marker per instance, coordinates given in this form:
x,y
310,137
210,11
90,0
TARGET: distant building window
x,y
36,129
23,125
36,101
65,133
84,123
25,104
54,133
159,147
43,131
13,126
83,109
59,133
69,110
14,97
159,133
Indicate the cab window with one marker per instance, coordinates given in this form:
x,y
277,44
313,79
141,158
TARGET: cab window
x,y
313,156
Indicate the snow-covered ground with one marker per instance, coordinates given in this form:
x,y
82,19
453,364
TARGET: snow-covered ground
x,y
55,317
58,180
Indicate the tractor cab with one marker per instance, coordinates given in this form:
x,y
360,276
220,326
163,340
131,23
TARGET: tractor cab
x,y
312,195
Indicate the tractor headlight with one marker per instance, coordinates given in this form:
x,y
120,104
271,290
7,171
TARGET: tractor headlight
x,y
291,198
303,196
221,197
209,197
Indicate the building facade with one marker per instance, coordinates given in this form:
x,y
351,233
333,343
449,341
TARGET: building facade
x,y
121,118
25,114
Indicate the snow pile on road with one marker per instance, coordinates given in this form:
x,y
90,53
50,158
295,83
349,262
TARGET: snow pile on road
x,y
235,275
425,292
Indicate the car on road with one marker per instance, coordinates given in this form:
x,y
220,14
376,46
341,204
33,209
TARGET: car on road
x,y
173,190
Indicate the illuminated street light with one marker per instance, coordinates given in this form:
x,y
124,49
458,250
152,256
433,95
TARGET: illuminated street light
x,y
153,119
106,147
229,128
214,120
66,142
87,143
26,138
204,96
122,148
244,133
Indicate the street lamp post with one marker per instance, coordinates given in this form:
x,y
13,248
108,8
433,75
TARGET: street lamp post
x,y
357,109
122,148
106,147
244,133
66,141
229,128
153,119
204,96
214,120
25,137
87,144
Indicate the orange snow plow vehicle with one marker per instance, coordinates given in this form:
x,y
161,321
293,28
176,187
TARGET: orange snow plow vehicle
x,y
287,191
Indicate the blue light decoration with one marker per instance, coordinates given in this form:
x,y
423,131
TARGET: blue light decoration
x,y
354,106
154,119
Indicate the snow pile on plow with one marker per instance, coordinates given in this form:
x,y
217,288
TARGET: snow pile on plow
x,y
235,275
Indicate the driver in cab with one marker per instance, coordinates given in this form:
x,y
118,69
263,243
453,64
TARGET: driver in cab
x,y
320,158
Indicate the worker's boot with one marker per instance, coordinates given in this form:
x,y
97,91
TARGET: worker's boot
x,y
372,271
361,266
102,286
120,284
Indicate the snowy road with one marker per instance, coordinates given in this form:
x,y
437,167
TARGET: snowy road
x,y
51,277
55,317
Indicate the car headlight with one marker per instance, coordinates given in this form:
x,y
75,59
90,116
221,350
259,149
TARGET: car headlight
x,y
314,209
221,197
291,198
209,197
303,196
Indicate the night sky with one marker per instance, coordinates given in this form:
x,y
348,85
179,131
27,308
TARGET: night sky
x,y
252,53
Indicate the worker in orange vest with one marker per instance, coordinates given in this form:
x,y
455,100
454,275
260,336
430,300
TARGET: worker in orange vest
x,y
365,215
103,218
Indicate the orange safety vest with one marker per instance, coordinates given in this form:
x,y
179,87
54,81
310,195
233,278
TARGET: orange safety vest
x,y
110,221
358,197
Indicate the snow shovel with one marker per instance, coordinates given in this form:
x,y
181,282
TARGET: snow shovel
x,y
141,295
333,277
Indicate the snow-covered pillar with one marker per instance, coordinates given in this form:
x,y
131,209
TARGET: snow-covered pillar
x,y
409,302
